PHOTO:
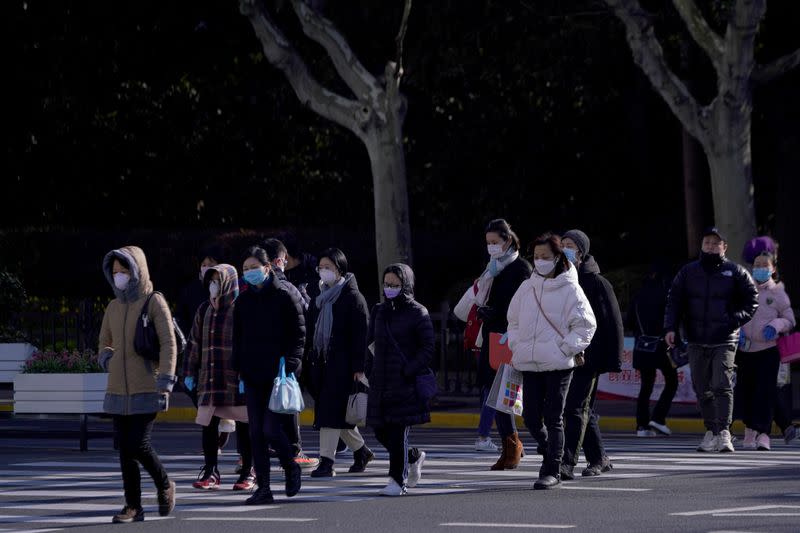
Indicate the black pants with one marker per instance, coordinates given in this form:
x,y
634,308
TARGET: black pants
x,y
266,429
581,427
756,387
648,376
291,426
544,394
211,443
132,432
395,439
783,407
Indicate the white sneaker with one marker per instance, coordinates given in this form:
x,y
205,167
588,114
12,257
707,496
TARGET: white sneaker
x,y
724,442
415,471
709,443
485,445
392,489
642,432
749,442
661,428
762,442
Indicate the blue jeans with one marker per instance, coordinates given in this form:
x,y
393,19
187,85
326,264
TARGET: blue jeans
x,y
506,425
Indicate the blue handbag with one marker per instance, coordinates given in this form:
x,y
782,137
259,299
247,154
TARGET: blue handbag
x,y
286,398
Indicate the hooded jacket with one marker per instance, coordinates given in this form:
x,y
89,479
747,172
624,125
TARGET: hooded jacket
x,y
604,354
135,384
534,343
774,309
404,342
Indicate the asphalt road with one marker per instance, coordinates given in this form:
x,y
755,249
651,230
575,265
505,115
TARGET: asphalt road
x,y
657,485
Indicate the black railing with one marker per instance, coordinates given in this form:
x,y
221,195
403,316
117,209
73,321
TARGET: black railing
x,y
77,328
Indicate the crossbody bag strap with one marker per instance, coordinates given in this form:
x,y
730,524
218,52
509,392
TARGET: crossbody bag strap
x,y
541,310
638,320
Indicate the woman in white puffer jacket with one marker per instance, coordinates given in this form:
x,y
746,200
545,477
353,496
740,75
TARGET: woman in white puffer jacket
x,y
545,346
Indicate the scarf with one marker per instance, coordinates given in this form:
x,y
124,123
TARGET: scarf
x,y
493,269
324,324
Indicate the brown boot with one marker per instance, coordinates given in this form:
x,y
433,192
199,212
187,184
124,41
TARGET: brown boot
x,y
514,452
501,462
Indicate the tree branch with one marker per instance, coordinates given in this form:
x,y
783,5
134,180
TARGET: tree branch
x,y
282,55
401,35
776,69
701,32
347,65
648,54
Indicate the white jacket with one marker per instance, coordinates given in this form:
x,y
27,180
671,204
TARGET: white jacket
x,y
536,347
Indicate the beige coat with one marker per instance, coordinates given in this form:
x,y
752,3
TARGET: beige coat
x,y
135,385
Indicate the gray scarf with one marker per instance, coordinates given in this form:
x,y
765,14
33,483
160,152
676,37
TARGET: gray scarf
x,y
325,301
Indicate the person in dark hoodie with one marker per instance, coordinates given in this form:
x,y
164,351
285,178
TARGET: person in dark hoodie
x,y
604,354
336,338
137,388
402,333
268,324
300,268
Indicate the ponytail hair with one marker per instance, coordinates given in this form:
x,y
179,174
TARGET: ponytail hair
x,y
503,228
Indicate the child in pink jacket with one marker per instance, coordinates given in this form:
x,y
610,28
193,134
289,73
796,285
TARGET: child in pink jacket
x,y
758,360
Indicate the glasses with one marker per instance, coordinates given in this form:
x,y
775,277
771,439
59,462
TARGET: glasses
x,y
390,286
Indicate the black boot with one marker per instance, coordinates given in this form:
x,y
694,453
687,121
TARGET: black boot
x,y
546,482
361,457
325,468
292,480
262,495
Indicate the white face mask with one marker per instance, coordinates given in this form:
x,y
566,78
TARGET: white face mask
x,y
203,271
121,280
494,250
213,288
544,266
327,276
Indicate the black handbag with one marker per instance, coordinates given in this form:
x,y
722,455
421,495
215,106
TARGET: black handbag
x,y
679,354
146,342
647,349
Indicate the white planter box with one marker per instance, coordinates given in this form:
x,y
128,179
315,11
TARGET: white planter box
x,y
12,356
59,393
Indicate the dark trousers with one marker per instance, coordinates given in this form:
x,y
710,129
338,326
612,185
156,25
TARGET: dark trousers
x,y
648,381
291,427
712,379
783,407
394,438
544,394
132,432
266,430
211,443
581,423
756,389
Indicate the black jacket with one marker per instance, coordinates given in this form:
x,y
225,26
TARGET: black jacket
x,y
646,317
267,324
504,287
304,276
711,302
604,354
332,380
404,343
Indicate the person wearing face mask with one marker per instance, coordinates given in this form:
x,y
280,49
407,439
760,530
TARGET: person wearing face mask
x,y
604,354
758,360
268,323
504,273
712,297
401,335
209,372
550,322
336,341
137,388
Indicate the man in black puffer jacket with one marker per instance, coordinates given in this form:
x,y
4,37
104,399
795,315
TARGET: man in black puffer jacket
x,y
604,354
712,298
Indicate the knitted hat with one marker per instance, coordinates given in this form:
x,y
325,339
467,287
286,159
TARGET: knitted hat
x,y
755,246
580,239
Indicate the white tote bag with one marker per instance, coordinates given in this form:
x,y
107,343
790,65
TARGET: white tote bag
x,y
506,392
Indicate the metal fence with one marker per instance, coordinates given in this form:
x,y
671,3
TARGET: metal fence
x,y
60,330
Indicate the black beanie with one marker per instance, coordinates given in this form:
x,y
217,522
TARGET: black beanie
x,y
580,239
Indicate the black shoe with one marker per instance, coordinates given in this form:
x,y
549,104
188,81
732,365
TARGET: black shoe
x,y
597,469
325,468
166,499
361,457
567,472
546,483
128,515
262,496
293,480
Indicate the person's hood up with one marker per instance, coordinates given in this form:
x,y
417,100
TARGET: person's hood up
x,y
140,283
228,283
406,276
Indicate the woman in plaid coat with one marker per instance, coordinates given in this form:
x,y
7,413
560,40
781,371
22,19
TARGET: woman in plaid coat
x,y
209,368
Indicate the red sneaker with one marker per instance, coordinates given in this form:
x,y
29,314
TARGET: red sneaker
x,y
305,462
208,479
246,481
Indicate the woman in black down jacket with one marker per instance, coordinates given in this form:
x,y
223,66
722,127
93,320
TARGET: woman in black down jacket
x,y
336,337
402,333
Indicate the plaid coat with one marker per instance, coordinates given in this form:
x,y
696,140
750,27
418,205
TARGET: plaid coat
x,y
211,344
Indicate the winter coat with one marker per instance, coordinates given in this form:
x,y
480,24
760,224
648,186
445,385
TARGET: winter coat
x,y
332,381
404,342
646,317
534,343
304,276
135,384
210,354
604,354
503,288
774,309
711,302
268,324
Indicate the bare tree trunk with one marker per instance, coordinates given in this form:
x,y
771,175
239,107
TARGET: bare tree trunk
x,y
693,191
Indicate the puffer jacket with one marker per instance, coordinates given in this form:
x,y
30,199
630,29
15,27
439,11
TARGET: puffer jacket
x,y
712,302
135,384
535,345
604,354
774,309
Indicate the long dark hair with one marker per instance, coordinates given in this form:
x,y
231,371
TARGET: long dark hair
x,y
503,228
337,257
554,242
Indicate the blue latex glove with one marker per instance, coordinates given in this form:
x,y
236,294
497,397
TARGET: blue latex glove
x,y
770,333
241,387
504,338
188,382
742,338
